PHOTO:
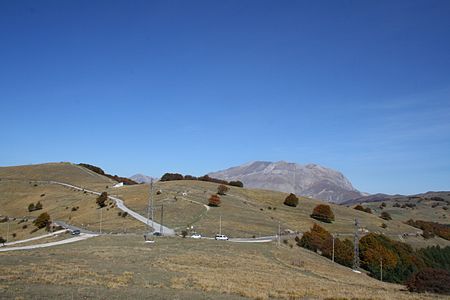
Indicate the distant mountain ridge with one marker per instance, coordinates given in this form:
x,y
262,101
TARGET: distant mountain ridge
x,y
308,180
141,178
431,195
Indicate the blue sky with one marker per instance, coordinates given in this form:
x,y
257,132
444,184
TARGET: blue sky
x,y
197,86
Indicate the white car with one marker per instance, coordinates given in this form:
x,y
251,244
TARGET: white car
x,y
196,236
221,237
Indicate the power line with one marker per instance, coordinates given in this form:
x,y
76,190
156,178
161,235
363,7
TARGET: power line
x,y
356,246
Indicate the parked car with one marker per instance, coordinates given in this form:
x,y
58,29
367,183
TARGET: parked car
x,y
221,237
196,236
76,232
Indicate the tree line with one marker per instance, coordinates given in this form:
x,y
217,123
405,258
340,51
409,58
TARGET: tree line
x,y
177,176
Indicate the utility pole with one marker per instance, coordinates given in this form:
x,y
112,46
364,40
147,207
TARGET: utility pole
x,y
150,207
332,255
356,249
279,234
220,224
7,231
381,269
101,219
161,228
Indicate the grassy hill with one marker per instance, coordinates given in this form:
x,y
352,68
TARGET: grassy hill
x,y
175,267
247,212
20,186
244,212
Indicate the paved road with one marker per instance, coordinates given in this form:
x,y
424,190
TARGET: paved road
x,y
121,206
35,238
81,237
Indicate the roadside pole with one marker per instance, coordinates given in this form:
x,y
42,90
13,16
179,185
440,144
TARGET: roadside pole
x,y
332,256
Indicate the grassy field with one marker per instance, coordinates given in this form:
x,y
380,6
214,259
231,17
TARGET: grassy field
x,y
62,172
426,209
115,267
245,212
64,204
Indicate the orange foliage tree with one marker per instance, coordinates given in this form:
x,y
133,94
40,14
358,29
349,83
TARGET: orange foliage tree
x,y
323,212
214,200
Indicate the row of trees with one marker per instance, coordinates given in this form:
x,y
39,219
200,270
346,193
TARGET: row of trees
x,y
126,181
177,176
430,229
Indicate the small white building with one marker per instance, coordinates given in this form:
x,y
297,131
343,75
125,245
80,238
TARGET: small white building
x,y
118,184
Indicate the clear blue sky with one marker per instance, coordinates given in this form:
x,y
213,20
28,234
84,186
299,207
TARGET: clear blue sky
x,y
197,86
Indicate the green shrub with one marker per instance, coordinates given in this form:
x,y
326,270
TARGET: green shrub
x,y
236,183
291,200
385,216
222,189
101,200
42,220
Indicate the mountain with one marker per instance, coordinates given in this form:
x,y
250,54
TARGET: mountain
x,y
432,196
308,180
141,178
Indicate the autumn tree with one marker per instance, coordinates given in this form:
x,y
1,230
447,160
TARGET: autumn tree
x,y
315,239
101,200
291,200
43,220
214,200
323,212
222,189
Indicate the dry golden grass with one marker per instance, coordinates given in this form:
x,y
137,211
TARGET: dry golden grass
x,y
176,266
58,201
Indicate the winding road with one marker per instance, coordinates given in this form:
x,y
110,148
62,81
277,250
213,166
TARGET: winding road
x,y
119,203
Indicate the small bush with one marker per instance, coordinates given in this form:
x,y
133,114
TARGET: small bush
x,y
184,233
38,206
31,207
119,213
14,235
430,280
385,216
361,208
323,212
383,225
2,240
42,195
124,214
42,220
214,200
291,200
4,220
25,226
101,200
222,189
74,209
